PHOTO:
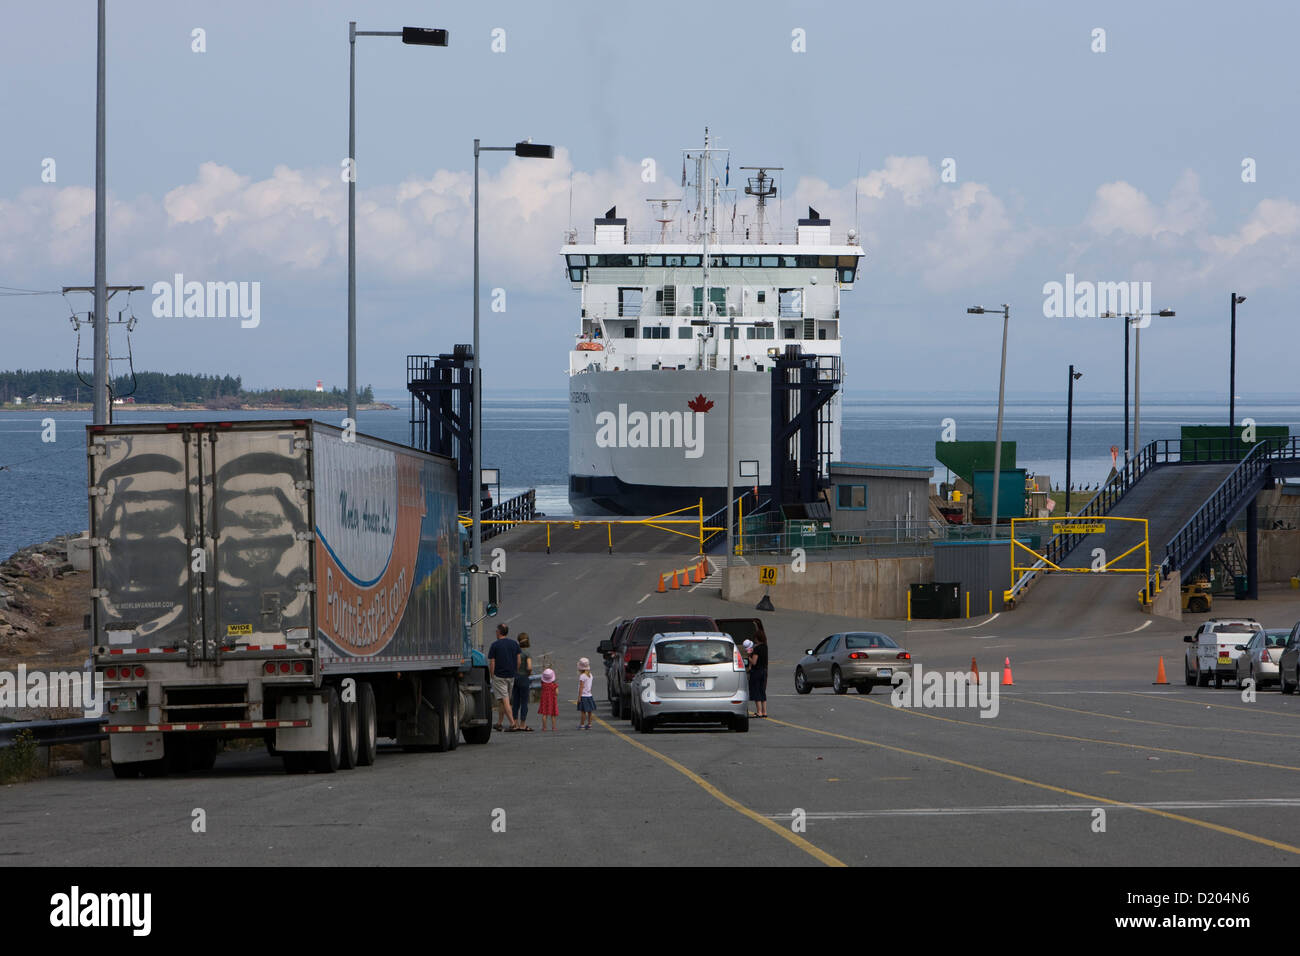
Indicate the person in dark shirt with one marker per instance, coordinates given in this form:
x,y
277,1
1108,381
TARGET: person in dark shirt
x,y
757,656
503,664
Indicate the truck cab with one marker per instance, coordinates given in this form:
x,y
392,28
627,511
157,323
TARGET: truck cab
x,y
1212,651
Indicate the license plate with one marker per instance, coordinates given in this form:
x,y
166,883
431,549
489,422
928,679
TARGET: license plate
x,y
884,672
1225,658
695,685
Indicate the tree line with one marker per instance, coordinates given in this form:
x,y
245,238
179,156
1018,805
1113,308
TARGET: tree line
x,y
166,388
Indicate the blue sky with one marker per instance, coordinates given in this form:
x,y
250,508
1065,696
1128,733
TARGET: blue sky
x,y
224,165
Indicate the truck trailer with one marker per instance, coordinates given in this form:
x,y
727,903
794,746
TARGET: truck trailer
x,y
284,580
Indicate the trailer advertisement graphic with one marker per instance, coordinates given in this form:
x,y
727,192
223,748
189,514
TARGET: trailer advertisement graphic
x,y
369,525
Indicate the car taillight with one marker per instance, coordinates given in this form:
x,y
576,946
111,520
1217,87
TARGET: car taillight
x,y
737,663
1264,658
650,661
856,656
627,656
903,656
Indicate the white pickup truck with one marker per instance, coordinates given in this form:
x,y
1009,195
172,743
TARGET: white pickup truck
x,y
1212,651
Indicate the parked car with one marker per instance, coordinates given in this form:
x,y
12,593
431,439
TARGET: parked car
x,y
1288,664
691,677
627,647
1259,656
861,659
1214,653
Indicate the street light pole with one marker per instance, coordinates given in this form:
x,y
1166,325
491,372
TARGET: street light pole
x,y
1137,389
1126,367
415,36
101,251
528,150
1002,393
1236,300
1069,432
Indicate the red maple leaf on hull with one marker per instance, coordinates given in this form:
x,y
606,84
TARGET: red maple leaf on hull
x,y
699,404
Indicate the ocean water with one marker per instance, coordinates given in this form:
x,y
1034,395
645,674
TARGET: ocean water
x,y
43,485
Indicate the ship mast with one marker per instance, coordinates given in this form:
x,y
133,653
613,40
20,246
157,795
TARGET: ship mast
x,y
762,189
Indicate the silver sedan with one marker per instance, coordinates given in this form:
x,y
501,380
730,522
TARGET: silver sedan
x,y
1259,657
861,659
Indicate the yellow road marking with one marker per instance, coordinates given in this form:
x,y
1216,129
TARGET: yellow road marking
x,y
1229,831
1154,723
1087,740
1187,700
815,852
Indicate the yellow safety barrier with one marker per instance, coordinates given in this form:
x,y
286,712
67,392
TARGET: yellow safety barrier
x,y
695,527
1082,526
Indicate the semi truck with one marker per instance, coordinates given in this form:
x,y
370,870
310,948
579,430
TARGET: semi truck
x,y
285,580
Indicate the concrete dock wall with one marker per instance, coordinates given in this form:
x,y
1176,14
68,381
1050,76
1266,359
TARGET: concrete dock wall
x,y
867,588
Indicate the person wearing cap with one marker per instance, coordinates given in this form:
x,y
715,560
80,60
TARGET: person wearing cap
x,y
586,703
550,702
756,655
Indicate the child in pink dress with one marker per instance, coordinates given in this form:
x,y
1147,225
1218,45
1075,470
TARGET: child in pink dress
x,y
586,703
550,703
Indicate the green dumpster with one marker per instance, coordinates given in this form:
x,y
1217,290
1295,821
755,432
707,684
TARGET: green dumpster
x,y
1241,587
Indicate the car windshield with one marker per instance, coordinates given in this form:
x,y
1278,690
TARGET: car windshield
x,y
695,653
866,641
645,629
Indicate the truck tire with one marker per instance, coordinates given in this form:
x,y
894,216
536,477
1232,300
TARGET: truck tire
x,y
448,707
1202,680
368,718
350,725
1189,675
616,706
329,760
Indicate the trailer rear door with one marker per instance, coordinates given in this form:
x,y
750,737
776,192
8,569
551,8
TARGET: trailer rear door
x,y
202,536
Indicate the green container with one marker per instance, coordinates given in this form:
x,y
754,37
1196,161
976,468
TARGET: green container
x,y
1241,587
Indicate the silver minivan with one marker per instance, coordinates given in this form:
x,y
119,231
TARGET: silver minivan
x,y
696,676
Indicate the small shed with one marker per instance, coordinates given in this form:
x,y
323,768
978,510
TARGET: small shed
x,y
872,496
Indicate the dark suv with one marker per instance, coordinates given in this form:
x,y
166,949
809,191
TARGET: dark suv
x,y
625,651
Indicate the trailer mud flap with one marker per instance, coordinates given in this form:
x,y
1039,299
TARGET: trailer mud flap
x,y
311,739
130,748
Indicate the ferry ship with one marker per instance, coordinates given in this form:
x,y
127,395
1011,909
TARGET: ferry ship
x,y
662,316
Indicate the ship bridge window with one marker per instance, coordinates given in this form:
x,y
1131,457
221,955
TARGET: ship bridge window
x,y
622,261
692,261
717,295
760,332
576,267
684,332
724,262
655,332
672,260
846,275
654,262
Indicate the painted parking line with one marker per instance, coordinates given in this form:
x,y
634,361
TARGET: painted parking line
x,y
1154,723
1176,697
1253,804
784,832
1155,811
988,725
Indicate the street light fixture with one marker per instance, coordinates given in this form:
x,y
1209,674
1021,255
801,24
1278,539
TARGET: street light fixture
x,y
1069,432
1129,318
413,36
526,149
1002,392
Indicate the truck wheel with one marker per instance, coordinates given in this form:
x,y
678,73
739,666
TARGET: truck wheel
x,y
616,706
329,760
647,725
368,717
1189,675
448,708
350,725
1202,680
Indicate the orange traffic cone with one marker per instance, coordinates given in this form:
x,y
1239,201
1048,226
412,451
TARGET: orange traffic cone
x,y
661,589
695,575
675,585
975,671
1160,674
1006,674
704,569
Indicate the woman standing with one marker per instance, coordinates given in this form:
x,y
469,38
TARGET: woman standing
x,y
523,683
758,673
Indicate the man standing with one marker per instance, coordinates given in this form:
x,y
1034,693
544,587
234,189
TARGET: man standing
x,y
503,664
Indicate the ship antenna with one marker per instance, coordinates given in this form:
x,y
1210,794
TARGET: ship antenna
x,y
857,189
664,219
762,189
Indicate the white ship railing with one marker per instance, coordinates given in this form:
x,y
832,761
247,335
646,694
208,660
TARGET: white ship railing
x,y
783,237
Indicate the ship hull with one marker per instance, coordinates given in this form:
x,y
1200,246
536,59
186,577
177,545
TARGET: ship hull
x,y
650,442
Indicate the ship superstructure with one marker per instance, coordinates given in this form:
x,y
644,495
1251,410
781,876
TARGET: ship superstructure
x,y
648,369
